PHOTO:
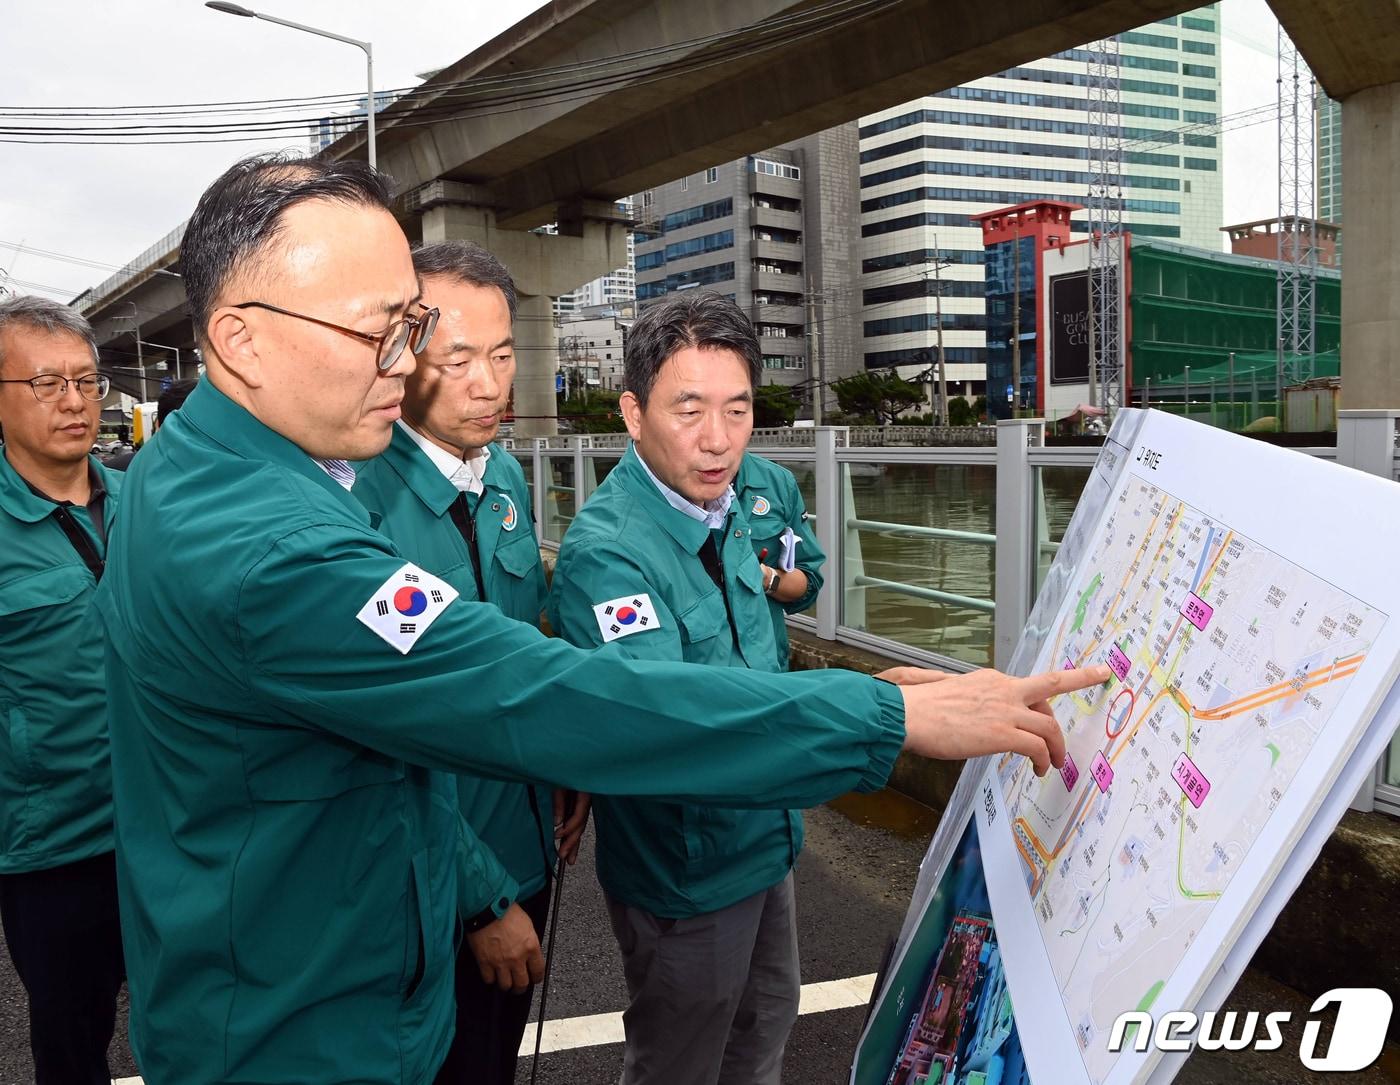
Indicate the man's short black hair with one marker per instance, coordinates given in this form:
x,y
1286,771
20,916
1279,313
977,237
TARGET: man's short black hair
x,y
241,214
695,318
465,262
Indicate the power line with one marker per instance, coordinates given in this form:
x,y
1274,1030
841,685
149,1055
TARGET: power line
x,y
468,99
534,75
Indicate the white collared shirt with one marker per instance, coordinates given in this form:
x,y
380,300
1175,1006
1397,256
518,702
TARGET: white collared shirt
x,y
712,514
468,476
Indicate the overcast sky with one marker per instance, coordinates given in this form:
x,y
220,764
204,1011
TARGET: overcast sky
x,y
109,203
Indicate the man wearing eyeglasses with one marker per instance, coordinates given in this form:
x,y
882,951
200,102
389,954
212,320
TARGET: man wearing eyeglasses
x,y
287,833
58,893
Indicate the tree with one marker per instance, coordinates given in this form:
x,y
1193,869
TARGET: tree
x,y
774,405
599,413
880,396
960,412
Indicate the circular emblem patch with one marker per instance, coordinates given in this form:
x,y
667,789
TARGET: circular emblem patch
x,y
510,519
760,506
410,601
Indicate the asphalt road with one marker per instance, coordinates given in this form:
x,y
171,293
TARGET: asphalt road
x,y
853,885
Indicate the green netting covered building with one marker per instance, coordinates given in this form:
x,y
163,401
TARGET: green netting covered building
x,y
1192,307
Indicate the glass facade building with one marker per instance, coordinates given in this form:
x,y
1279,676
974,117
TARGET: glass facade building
x,y
779,233
928,166
1329,164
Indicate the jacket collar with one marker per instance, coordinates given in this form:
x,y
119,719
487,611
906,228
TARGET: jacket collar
x,y
634,477
18,499
235,428
419,473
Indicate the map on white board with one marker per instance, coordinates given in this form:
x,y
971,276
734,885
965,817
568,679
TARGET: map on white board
x,y
1245,618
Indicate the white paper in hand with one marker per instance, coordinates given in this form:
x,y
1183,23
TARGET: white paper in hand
x,y
788,557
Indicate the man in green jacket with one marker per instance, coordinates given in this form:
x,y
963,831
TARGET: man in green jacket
x,y
58,891
789,555
457,504
288,836
662,563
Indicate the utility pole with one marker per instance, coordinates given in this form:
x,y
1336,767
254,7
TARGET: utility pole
x,y
1016,324
938,403
135,319
942,357
814,356
1093,339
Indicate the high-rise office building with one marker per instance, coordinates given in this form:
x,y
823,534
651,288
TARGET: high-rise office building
x,y
326,130
1329,164
777,231
1018,136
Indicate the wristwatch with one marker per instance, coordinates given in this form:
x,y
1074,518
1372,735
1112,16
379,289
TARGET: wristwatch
x,y
486,916
773,584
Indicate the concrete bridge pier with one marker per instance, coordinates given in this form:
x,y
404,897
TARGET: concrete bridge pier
x,y
591,241
1371,278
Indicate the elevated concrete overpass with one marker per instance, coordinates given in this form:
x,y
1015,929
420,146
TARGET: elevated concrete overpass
x,y
672,87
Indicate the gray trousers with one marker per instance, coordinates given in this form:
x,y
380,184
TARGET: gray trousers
x,y
713,997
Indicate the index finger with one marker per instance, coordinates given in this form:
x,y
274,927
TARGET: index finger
x,y
1040,687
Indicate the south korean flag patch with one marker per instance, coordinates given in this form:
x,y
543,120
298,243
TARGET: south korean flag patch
x,y
405,605
624,616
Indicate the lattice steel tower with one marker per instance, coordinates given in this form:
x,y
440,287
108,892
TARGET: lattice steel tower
x,y
1106,224
1297,216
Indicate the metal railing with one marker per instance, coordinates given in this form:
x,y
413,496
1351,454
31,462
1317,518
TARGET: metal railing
x,y
912,571
143,266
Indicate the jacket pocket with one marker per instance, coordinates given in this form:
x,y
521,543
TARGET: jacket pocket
x,y
16,784
764,531
520,557
46,588
710,831
703,619
750,574
419,936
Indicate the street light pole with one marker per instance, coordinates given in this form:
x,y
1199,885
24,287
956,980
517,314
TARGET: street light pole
x,y
236,9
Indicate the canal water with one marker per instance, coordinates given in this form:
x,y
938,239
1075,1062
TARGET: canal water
x,y
960,498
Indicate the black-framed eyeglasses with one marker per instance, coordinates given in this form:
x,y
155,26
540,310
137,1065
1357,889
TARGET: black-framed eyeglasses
x,y
51,387
407,331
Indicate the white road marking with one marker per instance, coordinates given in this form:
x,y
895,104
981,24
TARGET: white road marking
x,y
606,1028
598,1029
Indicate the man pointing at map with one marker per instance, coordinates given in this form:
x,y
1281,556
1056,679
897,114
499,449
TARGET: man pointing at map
x,y
285,861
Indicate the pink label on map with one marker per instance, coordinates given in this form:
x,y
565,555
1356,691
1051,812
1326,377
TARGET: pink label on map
x,y
1191,780
1069,773
1069,665
1118,662
1101,771
1196,611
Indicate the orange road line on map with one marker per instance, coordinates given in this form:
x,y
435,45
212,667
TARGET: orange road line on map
x,y
1035,840
1025,856
1350,661
1274,693
1224,544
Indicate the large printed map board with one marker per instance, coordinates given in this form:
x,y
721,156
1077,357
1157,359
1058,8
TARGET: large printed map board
x,y
1242,597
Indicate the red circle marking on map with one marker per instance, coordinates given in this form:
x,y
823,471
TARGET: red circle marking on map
x,y
1132,703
